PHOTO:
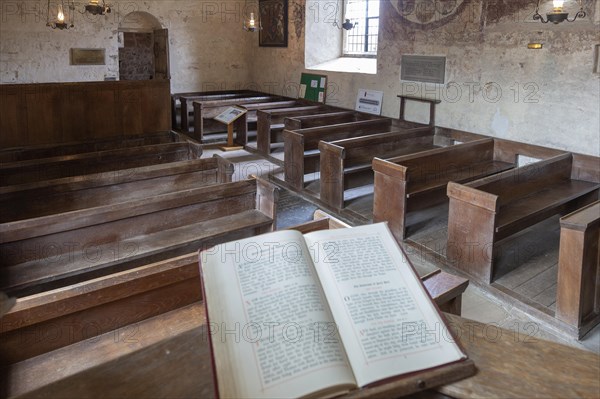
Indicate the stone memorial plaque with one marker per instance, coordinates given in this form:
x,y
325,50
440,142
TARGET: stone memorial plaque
x,y
419,68
88,56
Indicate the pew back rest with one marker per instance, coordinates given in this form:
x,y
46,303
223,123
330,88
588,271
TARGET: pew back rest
x,y
442,163
116,223
361,150
70,194
277,116
312,136
70,148
520,182
96,162
233,101
331,118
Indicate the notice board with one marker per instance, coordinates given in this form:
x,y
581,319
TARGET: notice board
x,y
313,87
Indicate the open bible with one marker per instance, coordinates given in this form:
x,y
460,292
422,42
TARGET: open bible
x,y
322,314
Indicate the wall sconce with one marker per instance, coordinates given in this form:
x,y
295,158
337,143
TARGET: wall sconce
x,y
347,25
60,22
95,8
558,13
250,24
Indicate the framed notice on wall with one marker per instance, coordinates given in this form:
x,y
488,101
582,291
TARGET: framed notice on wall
x,y
313,87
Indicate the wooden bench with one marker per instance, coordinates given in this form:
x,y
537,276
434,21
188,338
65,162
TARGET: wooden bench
x,y
208,109
301,147
270,124
488,210
185,99
241,124
346,164
53,150
95,162
75,193
156,354
330,118
578,287
414,182
60,249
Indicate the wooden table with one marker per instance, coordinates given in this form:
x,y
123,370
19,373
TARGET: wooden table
x,y
510,364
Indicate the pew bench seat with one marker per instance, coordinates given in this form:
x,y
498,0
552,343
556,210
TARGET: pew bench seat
x,y
526,211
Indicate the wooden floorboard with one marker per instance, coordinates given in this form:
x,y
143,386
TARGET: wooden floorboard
x,y
538,284
547,297
529,270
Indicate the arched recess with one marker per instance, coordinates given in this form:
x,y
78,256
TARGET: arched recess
x,y
144,50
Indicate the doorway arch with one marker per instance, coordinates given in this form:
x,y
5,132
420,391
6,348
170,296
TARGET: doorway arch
x,y
144,47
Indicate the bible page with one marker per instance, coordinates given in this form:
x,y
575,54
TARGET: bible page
x,y
271,330
386,320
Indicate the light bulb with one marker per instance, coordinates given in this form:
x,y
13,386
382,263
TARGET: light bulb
x,y
61,14
558,5
251,23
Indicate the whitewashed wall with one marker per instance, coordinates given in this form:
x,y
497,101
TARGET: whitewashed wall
x,y
208,48
494,84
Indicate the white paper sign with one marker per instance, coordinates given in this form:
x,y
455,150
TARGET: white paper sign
x,y
230,114
369,101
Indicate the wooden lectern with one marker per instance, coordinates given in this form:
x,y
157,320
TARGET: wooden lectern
x,y
227,117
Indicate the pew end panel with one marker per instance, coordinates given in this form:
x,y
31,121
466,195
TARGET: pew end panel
x,y
294,159
225,169
471,223
578,287
389,195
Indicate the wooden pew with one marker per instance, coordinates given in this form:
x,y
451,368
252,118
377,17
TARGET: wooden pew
x,y
75,193
270,124
414,182
185,100
241,124
578,287
208,109
55,250
488,210
126,305
346,164
79,147
331,118
95,162
301,146
159,363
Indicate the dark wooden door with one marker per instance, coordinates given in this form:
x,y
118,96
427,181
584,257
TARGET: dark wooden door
x,y
161,54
